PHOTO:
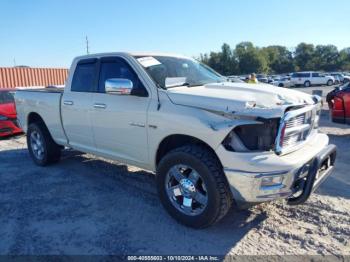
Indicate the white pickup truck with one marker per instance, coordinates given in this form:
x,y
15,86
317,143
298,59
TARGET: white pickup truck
x,y
211,143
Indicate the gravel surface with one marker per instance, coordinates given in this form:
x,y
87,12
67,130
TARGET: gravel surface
x,y
90,205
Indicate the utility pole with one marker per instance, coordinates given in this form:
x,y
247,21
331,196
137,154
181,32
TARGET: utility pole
x,y
14,62
87,45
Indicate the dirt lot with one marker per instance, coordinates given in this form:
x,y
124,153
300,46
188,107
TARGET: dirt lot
x,y
89,205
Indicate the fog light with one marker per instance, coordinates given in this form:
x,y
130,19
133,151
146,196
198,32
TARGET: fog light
x,y
271,181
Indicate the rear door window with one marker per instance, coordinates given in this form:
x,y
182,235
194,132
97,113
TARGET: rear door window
x,y
84,79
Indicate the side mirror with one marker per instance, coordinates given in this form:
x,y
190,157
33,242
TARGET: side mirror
x,y
118,86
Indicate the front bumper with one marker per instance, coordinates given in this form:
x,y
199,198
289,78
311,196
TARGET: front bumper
x,y
294,171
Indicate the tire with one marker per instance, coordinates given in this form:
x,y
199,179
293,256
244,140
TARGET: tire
x,y
307,84
336,82
280,85
210,178
50,151
329,82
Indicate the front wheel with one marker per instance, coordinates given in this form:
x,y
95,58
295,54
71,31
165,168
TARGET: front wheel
x,y
42,149
329,82
192,186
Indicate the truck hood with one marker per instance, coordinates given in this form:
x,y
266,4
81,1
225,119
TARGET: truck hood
x,y
261,100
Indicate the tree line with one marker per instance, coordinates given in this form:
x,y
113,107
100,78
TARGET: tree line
x,y
246,58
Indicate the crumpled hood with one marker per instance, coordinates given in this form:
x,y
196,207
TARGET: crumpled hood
x,y
240,98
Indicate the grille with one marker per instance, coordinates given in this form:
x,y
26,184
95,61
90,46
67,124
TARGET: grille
x,y
296,127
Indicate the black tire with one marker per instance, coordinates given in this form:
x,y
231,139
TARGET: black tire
x,y
208,167
280,85
51,151
307,84
329,82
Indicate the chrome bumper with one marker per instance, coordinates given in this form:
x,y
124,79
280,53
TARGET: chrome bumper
x,y
248,187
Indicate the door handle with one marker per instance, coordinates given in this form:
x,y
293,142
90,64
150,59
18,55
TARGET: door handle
x,y
68,103
102,106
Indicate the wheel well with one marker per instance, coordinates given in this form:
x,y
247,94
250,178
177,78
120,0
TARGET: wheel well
x,y
174,141
34,118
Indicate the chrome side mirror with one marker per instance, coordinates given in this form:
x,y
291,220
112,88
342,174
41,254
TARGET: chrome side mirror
x,y
118,86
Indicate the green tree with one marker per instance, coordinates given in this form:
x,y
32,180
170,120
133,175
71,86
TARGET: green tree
x,y
246,58
304,56
326,58
280,59
251,59
344,59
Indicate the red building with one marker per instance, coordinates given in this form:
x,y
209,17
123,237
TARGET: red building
x,y
11,77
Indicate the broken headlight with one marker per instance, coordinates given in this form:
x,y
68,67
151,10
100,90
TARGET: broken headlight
x,y
253,137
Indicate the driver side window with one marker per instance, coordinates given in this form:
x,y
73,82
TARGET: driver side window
x,y
117,68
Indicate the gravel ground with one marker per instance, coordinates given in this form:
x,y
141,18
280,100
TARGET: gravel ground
x,y
89,205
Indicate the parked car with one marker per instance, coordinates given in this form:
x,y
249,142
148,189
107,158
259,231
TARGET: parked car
x,y
339,103
342,77
283,82
235,79
8,117
262,78
308,79
210,142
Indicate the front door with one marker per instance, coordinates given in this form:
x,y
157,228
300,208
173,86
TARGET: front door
x,y
120,121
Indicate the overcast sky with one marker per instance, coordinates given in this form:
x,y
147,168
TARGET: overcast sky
x,y
49,33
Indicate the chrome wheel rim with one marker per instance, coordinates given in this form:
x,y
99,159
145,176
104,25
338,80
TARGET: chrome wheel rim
x,y
37,145
186,190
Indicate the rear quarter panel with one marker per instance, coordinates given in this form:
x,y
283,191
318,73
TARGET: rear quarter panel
x,y
46,105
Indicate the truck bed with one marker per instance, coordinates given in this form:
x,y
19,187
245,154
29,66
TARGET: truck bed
x,y
51,89
44,102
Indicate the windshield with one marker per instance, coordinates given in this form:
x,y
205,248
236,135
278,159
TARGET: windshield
x,y
6,97
170,72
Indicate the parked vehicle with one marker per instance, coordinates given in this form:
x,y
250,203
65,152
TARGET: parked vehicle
x,y
235,79
209,141
308,79
283,82
339,103
8,116
341,77
262,78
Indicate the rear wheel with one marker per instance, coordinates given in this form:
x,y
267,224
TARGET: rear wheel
x,y
42,149
307,83
192,186
329,82
280,85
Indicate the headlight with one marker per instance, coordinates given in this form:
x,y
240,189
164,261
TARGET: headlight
x,y
252,137
2,118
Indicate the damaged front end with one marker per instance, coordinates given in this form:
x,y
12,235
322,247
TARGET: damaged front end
x,y
279,134
253,137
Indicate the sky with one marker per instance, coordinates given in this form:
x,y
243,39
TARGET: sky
x,y
50,33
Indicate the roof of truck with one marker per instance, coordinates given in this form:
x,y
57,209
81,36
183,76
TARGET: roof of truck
x,y
131,54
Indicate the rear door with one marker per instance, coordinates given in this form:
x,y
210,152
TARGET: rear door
x,y
76,105
120,121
